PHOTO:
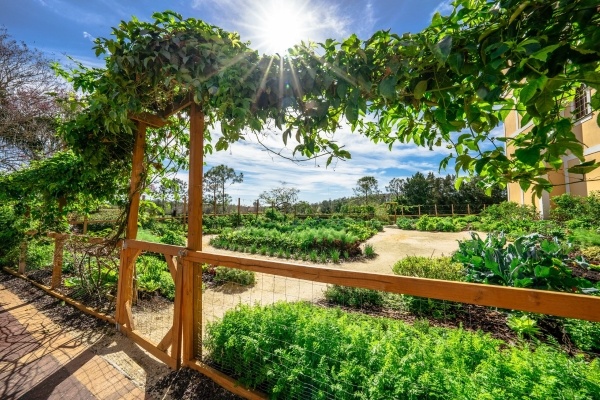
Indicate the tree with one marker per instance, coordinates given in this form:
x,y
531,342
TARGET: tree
x,y
396,188
28,110
282,198
449,85
217,178
366,186
416,190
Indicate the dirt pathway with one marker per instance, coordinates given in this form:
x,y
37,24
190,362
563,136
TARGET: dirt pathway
x,y
40,360
390,245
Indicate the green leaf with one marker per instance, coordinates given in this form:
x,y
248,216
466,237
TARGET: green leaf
x,y
529,155
545,103
543,54
352,112
528,91
387,87
480,164
420,89
442,48
584,168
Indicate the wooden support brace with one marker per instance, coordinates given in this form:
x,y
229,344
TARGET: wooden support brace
x,y
172,263
166,342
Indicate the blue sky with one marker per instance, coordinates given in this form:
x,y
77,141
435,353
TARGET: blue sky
x,y
68,27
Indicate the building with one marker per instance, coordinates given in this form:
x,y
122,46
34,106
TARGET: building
x,y
587,131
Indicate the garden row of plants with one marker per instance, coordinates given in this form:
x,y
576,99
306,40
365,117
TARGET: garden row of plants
x,y
531,261
300,350
572,215
316,240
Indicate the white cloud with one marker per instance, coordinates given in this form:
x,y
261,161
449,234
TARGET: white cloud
x,y
263,170
88,36
444,8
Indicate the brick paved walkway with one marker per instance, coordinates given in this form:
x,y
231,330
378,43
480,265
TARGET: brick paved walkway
x,y
38,360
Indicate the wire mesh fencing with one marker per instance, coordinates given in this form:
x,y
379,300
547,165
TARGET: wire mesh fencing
x,y
90,271
154,292
298,339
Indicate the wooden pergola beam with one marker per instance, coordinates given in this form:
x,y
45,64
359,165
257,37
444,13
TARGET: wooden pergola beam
x,y
174,108
148,119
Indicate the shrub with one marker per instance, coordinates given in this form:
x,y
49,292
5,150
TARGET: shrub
x,y
531,261
576,211
224,275
354,297
508,217
436,224
405,223
40,254
174,238
429,267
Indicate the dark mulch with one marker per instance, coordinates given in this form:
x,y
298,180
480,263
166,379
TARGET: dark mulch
x,y
189,384
185,384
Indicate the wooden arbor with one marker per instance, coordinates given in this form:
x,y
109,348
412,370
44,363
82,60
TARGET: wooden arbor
x,y
123,314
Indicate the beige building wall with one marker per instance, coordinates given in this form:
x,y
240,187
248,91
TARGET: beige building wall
x,y
588,132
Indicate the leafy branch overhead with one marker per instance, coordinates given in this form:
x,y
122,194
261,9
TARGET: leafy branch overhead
x,y
448,85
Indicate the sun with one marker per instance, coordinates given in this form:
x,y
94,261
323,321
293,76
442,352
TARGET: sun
x,y
278,25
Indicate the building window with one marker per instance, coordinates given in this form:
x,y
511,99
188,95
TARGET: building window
x,y
581,104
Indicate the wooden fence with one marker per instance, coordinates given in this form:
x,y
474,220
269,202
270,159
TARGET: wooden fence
x,y
178,346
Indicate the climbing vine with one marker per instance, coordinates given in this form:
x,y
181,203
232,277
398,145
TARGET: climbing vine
x,y
448,85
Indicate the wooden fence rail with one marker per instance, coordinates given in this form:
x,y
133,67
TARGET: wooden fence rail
x,y
185,332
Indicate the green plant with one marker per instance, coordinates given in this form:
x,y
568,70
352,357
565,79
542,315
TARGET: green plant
x,y
354,297
530,261
429,267
174,238
299,350
585,237
40,254
369,251
335,256
584,334
313,256
523,325
591,253
224,275
426,307
405,223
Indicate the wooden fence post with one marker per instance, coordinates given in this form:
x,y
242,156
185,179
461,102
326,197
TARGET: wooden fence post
x,y
452,208
192,289
22,257
239,207
59,245
419,210
126,284
85,224
468,209
257,206
435,207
